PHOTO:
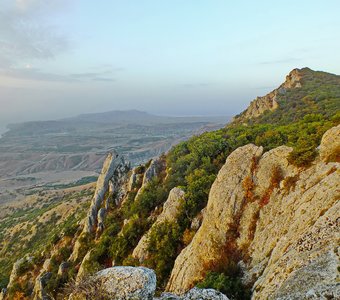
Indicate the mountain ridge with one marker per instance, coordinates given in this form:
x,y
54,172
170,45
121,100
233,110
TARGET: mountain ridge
x,y
239,230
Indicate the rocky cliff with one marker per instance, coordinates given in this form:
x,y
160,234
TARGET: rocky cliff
x,y
270,101
283,222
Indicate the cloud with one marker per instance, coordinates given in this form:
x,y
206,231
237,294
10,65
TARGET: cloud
x,y
195,85
101,73
26,34
104,79
287,60
31,73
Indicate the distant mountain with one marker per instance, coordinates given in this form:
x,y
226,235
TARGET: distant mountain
x,y
97,120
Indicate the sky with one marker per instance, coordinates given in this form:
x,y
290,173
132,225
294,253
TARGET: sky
x,y
60,58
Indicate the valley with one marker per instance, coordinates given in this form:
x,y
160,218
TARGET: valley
x,y
37,156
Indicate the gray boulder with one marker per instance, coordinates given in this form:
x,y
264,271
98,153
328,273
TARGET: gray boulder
x,y
120,283
196,294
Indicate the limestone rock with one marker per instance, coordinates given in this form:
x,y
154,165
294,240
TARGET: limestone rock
x,y
113,163
225,202
113,177
133,179
204,294
3,293
123,283
196,294
270,102
16,269
197,221
169,213
82,272
286,220
64,266
41,280
101,218
39,287
156,166
330,145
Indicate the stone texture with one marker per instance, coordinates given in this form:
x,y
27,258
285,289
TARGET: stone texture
x,y
15,270
63,268
225,202
156,166
101,218
196,294
82,272
111,180
133,179
270,102
287,229
330,145
124,283
39,286
112,164
169,213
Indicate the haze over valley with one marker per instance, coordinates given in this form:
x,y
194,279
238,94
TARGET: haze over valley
x,y
40,155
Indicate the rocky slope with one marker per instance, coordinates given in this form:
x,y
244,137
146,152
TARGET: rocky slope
x,y
270,102
283,220
256,204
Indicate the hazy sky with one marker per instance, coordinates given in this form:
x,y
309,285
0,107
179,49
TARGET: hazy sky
x,y
63,57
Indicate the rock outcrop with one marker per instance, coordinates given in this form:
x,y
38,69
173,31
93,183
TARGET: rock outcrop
x,y
112,164
225,202
270,102
195,294
132,283
156,166
284,222
17,266
120,283
39,287
330,145
110,184
169,213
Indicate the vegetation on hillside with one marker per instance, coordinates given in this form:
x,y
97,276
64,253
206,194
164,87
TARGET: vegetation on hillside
x,y
303,116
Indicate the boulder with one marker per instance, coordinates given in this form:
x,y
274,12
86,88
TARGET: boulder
x,y
119,283
196,294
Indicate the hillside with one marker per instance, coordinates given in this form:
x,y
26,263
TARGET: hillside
x,y
37,155
250,209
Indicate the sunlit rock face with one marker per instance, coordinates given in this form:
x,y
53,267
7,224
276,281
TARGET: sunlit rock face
x,y
286,220
169,213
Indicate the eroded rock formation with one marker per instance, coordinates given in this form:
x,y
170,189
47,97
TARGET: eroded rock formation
x,y
137,283
169,213
269,102
283,220
112,164
110,184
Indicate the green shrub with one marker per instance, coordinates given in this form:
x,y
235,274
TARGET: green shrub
x,y
230,286
165,242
